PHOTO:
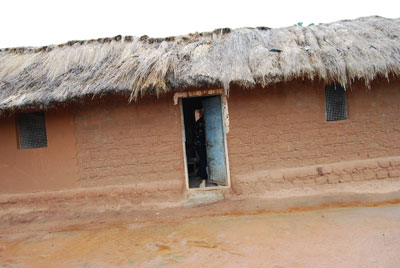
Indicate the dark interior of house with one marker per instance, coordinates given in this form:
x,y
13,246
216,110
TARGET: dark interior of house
x,y
189,107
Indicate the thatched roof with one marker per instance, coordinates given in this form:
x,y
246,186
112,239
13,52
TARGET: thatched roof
x,y
340,52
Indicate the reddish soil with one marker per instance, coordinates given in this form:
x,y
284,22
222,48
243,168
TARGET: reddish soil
x,y
334,237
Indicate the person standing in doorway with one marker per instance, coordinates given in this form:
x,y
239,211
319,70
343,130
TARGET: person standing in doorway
x,y
200,143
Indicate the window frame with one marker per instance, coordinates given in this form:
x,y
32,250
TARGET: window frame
x,y
19,119
330,107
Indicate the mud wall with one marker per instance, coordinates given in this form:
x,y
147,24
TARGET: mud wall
x,y
31,170
130,143
278,138
282,127
96,143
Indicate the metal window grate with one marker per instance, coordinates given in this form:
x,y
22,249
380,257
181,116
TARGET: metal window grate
x,y
32,130
336,106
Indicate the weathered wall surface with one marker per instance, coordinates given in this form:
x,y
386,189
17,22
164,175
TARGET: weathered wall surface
x,y
284,127
106,142
278,139
137,143
30,170
376,169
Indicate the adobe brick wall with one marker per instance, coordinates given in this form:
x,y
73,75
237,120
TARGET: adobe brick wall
x,y
40,169
336,173
278,139
284,127
137,143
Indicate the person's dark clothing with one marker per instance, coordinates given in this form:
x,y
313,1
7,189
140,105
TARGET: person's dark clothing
x,y
200,146
199,133
202,171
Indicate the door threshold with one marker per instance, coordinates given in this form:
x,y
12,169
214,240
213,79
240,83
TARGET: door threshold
x,y
209,188
203,197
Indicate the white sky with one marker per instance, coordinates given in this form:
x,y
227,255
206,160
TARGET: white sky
x,y
43,22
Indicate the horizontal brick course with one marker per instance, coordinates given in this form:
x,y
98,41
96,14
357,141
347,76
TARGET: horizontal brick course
x,y
277,128
358,170
121,143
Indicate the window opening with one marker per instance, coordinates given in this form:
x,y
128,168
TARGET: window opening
x,y
336,106
31,130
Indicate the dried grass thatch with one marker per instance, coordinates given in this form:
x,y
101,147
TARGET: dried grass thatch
x,y
336,52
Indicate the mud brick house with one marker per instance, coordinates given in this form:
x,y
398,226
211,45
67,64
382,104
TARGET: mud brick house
x,y
283,108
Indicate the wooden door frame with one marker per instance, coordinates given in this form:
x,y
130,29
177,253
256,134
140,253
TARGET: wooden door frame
x,y
225,128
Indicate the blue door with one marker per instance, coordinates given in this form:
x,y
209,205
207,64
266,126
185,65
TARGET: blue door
x,y
214,139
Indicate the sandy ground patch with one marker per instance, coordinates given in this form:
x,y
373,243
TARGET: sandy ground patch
x,y
338,237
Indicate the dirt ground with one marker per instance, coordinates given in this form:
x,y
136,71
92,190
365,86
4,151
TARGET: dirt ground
x,y
334,237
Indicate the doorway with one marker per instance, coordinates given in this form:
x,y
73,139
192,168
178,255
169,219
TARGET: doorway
x,y
204,141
